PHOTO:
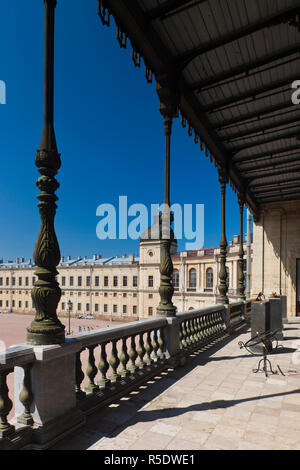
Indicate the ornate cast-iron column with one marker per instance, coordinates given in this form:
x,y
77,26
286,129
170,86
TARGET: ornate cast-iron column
x,y
46,328
223,288
241,279
168,109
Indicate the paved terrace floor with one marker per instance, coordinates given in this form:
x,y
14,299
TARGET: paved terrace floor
x,y
214,402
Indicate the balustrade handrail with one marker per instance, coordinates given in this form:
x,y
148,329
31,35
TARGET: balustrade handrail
x,y
104,335
16,356
199,312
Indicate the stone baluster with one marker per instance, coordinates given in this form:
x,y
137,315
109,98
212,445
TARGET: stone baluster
x,y
79,376
26,397
114,362
148,348
91,371
5,405
133,354
155,345
184,335
124,358
161,344
103,367
141,351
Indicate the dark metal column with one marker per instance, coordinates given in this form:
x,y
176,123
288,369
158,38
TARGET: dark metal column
x,y
223,288
167,107
46,328
241,278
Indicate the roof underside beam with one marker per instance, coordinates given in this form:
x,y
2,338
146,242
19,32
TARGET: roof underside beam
x,y
245,69
274,172
291,177
257,115
277,189
251,93
171,6
285,135
184,59
268,153
271,163
258,129
272,192
294,196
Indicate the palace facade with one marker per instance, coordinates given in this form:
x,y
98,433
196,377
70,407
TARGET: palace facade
x,y
124,287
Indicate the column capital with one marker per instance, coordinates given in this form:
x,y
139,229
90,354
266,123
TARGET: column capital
x,y
168,96
241,199
222,175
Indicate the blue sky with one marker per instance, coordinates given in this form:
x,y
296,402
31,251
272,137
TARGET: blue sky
x,y
109,132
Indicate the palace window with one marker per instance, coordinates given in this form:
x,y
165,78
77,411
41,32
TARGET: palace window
x,y
88,281
192,278
150,281
175,278
209,278
150,311
134,309
135,281
124,308
105,281
105,307
124,281
71,281
63,280
115,281
115,308
97,281
79,281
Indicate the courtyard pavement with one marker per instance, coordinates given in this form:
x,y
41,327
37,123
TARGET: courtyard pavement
x,y
214,402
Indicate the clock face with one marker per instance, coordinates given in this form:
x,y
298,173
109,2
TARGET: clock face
x,y
150,253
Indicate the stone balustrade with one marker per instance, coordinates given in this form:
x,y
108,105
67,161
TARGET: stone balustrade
x,y
57,386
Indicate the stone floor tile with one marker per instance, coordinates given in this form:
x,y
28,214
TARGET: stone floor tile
x,y
218,442
181,444
167,429
151,441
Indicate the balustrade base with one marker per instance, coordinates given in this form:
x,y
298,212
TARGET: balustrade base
x,y
17,439
51,432
8,431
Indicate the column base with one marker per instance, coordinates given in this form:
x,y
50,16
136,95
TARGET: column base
x,y
45,333
169,311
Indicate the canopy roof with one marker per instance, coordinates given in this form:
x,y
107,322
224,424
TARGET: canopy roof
x,y
233,63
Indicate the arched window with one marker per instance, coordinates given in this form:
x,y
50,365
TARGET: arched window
x,y
192,278
175,278
209,278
